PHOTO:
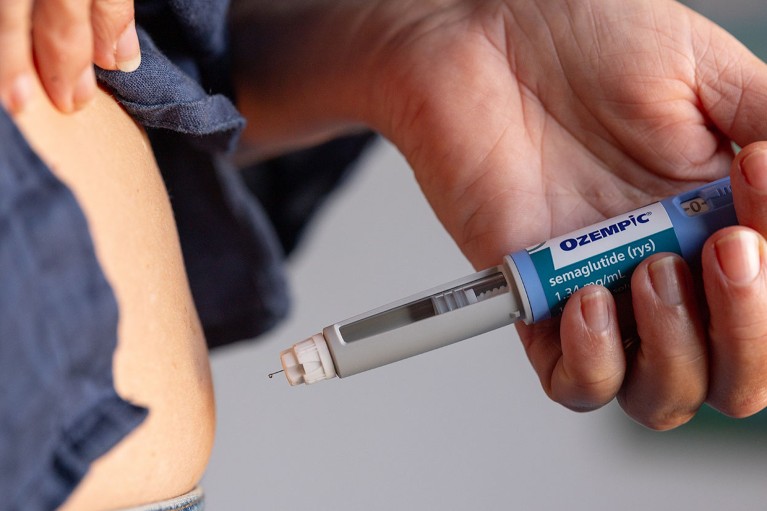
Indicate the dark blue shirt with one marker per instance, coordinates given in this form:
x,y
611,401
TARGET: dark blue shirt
x,y
58,317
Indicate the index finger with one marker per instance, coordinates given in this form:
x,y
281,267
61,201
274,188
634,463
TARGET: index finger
x,y
15,54
580,362
63,46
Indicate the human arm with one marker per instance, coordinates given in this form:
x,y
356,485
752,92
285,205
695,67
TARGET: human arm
x,y
59,41
523,120
160,362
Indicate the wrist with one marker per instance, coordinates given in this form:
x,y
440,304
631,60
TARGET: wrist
x,y
309,70
298,71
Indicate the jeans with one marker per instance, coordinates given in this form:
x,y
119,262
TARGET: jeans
x,y
192,501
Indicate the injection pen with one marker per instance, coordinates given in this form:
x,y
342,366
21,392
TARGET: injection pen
x,y
530,285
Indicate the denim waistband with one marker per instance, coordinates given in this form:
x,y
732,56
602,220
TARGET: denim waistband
x,y
192,501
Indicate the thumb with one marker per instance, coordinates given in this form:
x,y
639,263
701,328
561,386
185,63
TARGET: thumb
x,y
115,41
749,184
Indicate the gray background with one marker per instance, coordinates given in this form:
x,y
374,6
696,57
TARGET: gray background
x,y
465,427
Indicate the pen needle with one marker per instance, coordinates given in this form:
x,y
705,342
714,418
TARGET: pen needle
x,y
271,375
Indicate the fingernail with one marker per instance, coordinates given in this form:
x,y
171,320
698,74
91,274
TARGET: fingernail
x,y
754,169
18,94
595,310
85,88
738,256
127,50
665,276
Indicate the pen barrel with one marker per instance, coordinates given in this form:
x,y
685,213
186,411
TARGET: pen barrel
x,y
422,323
607,253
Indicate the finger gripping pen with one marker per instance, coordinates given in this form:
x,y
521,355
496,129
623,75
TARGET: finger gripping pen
x,y
531,285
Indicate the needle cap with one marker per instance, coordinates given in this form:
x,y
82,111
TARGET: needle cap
x,y
308,361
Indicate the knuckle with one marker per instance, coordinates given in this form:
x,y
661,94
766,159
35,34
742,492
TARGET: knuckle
x,y
661,414
742,404
665,420
62,12
63,53
586,397
68,34
744,341
751,329
114,12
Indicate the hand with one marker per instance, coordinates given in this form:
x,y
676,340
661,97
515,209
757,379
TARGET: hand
x,y
527,119
689,355
59,40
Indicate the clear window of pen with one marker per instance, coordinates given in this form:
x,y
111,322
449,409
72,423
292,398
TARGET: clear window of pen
x,y
439,303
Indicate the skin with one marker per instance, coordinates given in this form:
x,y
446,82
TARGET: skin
x,y
561,113
558,112
161,361
57,42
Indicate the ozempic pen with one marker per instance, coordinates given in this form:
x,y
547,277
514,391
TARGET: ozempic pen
x,y
531,285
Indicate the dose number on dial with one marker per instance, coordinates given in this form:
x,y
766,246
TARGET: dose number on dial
x,y
695,206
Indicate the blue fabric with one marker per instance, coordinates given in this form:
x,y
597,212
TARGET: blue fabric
x,y
234,254
181,95
58,332
58,317
161,95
